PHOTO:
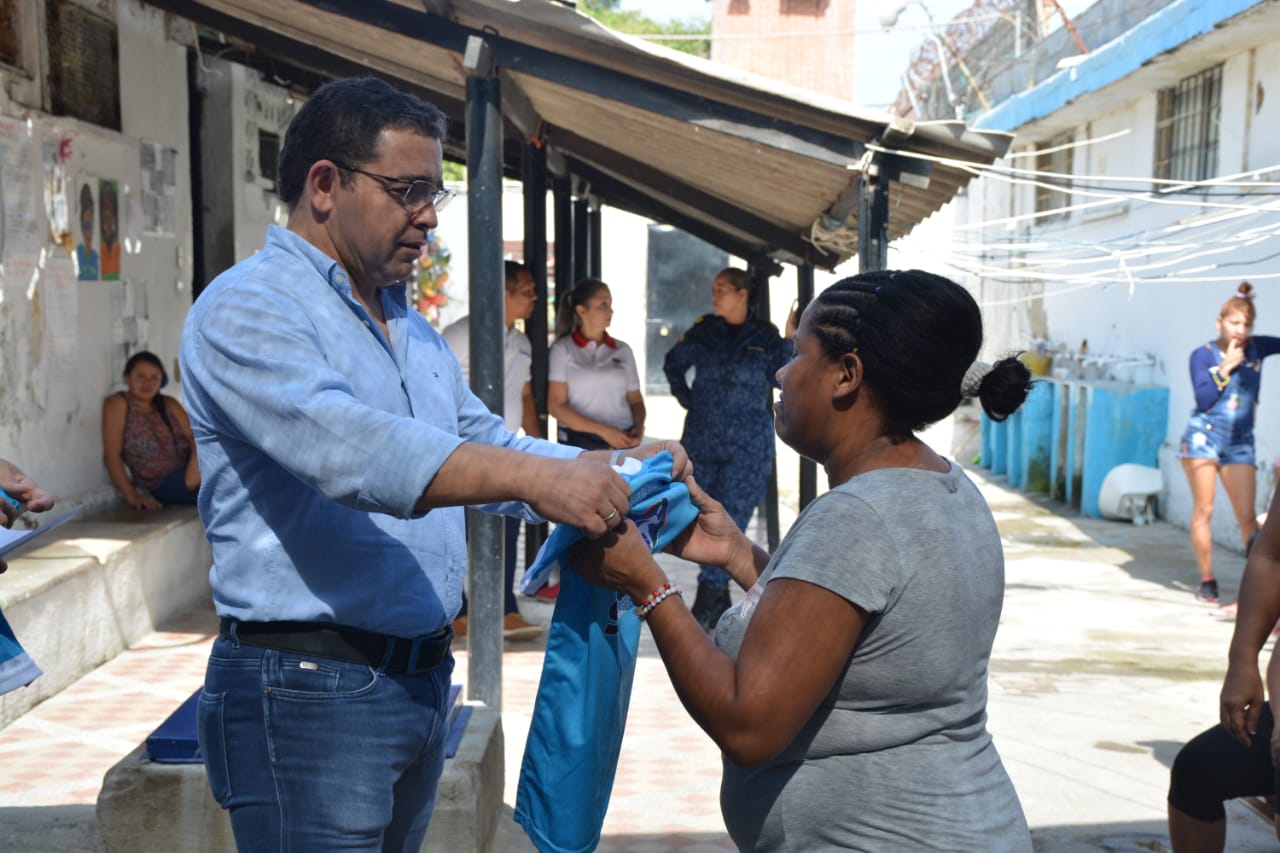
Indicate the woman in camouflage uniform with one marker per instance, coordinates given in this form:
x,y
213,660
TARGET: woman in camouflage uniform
x,y
728,430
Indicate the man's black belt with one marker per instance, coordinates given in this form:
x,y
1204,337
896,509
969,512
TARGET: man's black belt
x,y
398,655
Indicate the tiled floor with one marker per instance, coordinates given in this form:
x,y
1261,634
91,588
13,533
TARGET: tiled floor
x,y
58,753
54,758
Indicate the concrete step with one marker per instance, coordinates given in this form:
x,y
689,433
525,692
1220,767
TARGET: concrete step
x,y
148,807
97,587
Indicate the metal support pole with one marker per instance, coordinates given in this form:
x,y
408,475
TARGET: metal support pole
x,y
485,540
595,247
566,275
873,223
581,239
808,468
760,305
534,169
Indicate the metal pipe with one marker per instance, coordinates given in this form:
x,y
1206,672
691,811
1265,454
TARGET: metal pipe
x,y
808,468
534,175
485,540
946,78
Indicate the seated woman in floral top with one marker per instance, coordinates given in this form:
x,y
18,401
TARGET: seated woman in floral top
x,y
147,441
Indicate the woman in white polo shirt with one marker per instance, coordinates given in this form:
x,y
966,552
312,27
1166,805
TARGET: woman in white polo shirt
x,y
593,388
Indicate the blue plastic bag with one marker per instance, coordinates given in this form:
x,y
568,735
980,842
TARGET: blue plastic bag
x,y
580,713
17,669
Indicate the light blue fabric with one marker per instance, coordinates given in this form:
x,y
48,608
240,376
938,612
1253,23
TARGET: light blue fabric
x,y
660,508
316,438
17,669
580,712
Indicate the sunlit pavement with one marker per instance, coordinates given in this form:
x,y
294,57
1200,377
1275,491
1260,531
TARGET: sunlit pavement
x,y
1104,665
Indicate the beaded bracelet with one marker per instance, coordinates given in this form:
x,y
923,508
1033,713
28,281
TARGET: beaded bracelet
x,y
644,608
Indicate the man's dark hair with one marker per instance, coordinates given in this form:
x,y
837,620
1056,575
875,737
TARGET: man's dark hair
x,y
343,121
511,271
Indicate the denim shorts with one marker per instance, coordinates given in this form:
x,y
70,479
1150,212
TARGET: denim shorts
x,y
1204,440
313,755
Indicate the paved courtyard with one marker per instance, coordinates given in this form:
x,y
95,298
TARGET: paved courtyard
x,y
1104,665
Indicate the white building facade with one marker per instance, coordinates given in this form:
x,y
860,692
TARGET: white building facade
x,y
1143,187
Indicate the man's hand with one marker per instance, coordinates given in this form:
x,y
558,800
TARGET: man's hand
x,y
30,496
584,492
8,512
1241,702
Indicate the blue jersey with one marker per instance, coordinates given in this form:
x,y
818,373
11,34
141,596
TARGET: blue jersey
x,y
728,404
1229,406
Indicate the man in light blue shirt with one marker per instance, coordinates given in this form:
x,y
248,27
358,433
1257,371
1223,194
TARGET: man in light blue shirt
x,y
338,443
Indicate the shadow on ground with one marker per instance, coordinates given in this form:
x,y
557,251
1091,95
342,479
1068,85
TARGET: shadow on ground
x,y
1137,837
49,829
684,842
1159,553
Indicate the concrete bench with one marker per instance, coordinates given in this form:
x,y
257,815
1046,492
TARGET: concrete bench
x,y
151,807
98,586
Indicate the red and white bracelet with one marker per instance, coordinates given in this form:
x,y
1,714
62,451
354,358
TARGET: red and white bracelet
x,y
659,595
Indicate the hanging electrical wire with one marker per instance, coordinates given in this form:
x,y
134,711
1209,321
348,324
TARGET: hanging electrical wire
x,y
1058,262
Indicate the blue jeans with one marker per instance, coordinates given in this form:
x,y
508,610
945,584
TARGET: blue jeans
x,y
312,754
173,490
1209,436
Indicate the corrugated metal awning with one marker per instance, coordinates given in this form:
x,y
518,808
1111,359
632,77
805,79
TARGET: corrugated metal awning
x,y
757,167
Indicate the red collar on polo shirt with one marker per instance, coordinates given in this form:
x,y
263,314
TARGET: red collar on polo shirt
x,y
582,340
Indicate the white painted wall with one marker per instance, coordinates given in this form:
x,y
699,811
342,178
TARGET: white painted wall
x,y
50,421
255,105
1142,332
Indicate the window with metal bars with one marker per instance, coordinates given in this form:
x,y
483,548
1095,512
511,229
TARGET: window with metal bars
x,y
10,33
1054,156
1187,118
84,64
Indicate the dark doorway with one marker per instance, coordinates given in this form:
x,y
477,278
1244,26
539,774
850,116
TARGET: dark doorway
x,y
681,269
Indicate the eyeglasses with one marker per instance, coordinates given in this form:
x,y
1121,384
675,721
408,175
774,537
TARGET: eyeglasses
x,y
417,196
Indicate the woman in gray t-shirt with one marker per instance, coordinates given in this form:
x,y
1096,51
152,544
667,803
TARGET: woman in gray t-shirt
x,y
848,689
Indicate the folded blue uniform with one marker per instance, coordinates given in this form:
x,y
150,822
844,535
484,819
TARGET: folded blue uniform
x,y
580,713
660,508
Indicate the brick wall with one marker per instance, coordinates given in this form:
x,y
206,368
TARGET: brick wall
x,y
805,43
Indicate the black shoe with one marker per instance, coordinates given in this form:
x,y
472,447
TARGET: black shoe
x,y
1208,591
709,604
